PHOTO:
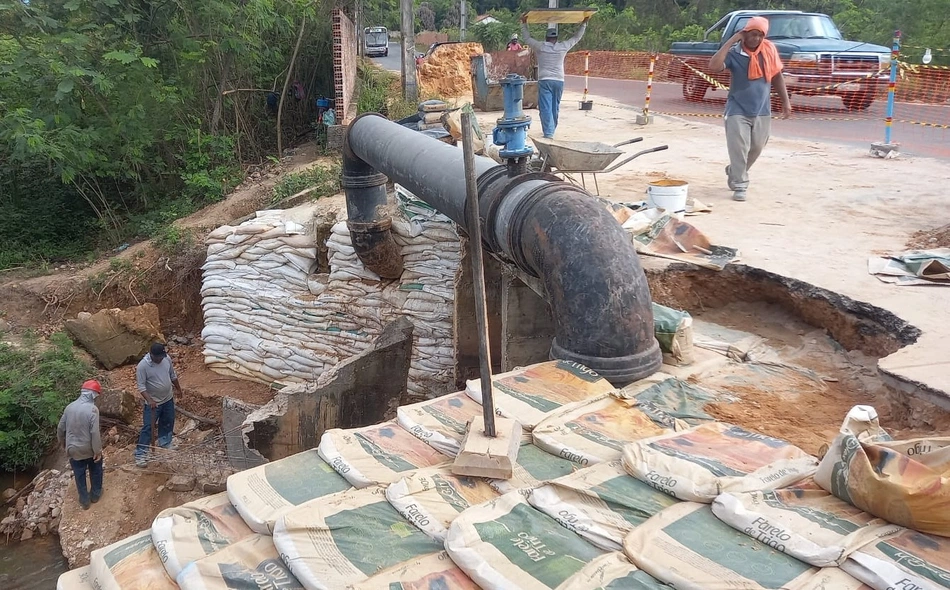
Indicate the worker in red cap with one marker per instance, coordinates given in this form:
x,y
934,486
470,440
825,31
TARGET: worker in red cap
x,y
756,69
78,433
157,382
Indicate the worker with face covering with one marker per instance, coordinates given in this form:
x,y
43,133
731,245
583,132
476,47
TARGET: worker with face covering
x,y
78,433
755,67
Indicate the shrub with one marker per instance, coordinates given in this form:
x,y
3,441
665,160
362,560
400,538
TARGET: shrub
x,y
36,384
324,178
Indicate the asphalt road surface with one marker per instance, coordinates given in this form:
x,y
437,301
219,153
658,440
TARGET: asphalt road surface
x,y
392,62
821,118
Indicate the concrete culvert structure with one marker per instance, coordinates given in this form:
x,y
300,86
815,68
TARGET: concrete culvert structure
x,y
550,229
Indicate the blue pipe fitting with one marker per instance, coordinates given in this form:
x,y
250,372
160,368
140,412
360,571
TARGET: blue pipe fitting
x,y
512,129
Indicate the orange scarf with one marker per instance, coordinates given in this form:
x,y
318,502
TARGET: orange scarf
x,y
764,60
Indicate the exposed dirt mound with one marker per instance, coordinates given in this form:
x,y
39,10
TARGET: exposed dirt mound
x,y
447,72
926,239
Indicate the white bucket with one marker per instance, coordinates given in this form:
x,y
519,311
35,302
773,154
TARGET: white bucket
x,y
668,194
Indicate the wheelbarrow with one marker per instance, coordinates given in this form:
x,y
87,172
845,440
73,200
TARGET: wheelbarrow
x,y
584,157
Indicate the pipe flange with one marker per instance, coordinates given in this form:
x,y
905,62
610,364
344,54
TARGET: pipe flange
x,y
369,226
521,213
364,180
619,370
497,189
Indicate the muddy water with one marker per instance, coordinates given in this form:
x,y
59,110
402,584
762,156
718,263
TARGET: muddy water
x,y
31,565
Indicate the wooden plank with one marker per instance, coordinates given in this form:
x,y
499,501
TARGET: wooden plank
x,y
484,456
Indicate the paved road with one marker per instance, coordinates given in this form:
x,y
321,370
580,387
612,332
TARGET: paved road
x,y
393,62
813,117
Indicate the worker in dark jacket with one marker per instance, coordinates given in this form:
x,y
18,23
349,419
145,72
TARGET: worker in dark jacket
x,y
78,432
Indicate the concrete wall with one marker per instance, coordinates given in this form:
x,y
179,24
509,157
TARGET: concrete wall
x,y
345,43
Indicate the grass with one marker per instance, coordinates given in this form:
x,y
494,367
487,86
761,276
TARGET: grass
x,y
323,178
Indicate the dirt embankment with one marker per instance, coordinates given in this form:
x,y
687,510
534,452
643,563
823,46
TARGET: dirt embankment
x,y
447,73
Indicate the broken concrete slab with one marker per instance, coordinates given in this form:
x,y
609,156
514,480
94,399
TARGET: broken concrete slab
x,y
121,405
362,390
116,337
233,414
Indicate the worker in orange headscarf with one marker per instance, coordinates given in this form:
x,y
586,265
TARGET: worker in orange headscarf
x,y
756,69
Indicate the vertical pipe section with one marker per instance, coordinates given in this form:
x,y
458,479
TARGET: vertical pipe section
x,y
368,220
473,225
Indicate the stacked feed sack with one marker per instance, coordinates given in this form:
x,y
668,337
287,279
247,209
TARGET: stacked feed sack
x,y
268,317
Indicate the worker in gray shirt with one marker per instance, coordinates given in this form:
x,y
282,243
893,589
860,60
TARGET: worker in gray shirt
x,y
550,56
156,379
78,433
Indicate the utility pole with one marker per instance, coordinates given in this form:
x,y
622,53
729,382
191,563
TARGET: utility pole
x,y
552,4
463,19
358,9
410,87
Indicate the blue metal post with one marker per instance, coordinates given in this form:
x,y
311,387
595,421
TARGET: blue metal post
x,y
891,87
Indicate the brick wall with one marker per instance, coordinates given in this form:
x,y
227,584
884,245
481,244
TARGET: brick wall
x,y
345,42
430,37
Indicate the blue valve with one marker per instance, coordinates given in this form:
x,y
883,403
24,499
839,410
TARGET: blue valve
x,y
512,129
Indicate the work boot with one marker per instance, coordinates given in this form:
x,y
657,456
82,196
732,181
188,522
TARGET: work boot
x,y
739,195
85,505
95,499
141,462
729,182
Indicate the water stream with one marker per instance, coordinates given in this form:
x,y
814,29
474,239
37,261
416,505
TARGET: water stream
x,y
33,564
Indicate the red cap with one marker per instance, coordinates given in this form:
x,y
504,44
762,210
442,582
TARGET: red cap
x,y
93,385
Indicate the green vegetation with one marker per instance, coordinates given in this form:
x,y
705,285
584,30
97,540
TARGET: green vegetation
x,y
36,383
119,117
323,178
378,92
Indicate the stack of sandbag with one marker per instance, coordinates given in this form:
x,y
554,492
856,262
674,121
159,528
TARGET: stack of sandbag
x,y
133,562
430,114
192,531
268,318
256,301
262,493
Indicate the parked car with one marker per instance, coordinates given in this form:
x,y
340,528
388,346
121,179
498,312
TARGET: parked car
x,y
812,48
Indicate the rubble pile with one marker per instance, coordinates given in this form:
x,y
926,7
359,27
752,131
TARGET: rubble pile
x,y
37,513
447,72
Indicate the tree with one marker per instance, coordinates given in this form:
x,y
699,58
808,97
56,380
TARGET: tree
x,y
426,16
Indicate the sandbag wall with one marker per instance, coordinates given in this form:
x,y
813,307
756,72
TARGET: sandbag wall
x,y
268,317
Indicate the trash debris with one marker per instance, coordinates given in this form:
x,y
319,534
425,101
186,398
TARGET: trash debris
x,y
914,267
658,233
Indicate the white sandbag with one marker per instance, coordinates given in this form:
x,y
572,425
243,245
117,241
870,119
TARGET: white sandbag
x,y
832,578
532,393
601,503
812,526
189,532
77,579
700,463
908,561
612,571
252,562
506,544
532,468
378,454
430,572
332,542
441,422
687,547
596,431
132,562
261,493
432,498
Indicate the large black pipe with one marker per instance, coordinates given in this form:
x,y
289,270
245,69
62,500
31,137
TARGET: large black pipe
x,y
550,229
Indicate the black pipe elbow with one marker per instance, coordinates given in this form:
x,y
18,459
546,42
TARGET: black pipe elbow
x,y
598,292
368,220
